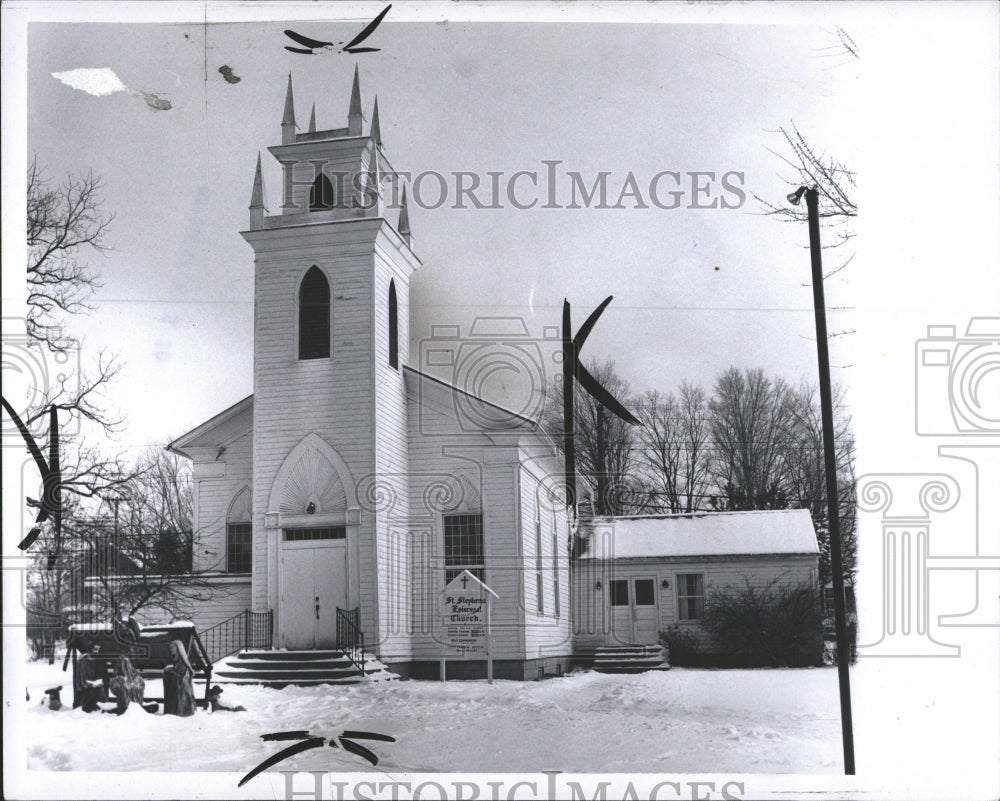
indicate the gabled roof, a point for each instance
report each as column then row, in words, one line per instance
column 238, row 418
column 783, row 531
column 218, row 430
column 493, row 416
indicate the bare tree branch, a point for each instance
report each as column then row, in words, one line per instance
column 62, row 220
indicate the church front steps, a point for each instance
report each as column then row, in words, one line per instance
column 279, row 669
column 630, row 659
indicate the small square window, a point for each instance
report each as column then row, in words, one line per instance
column 619, row 592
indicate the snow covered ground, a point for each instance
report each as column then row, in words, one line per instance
column 924, row 728
column 761, row 721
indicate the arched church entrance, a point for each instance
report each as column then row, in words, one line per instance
column 314, row 538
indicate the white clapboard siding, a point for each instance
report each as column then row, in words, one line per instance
column 546, row 633
column 591, row 606
column 215, row 496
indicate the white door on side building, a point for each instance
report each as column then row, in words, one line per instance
column 313, row 585
column 634, row 613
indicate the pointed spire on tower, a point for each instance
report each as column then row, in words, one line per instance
column 257, row 203
column 404, row 219
column 288, row 119
column 373, row 186
column 312, row 120
column 354, row 115
column 376, row 131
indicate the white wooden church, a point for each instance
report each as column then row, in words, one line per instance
column 349, row 480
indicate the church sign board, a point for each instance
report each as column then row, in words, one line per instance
column 466, row 604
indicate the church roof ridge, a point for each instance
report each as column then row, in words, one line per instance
column 226, row 414
column 453, row 388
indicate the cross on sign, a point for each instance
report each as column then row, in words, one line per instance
column 465, row 582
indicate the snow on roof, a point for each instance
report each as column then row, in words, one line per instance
column 105, row 626
column 91, row 627
column 785, row 531
column 177, row 624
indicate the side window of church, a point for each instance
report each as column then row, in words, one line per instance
column 393, row 328
column 238, row 547
column 463, row 545
column 314, row 316
column 539, row 579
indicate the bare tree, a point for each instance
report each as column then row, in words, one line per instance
column 806, row 473
column 750, row 415
column 833, row 180
column 63, row 219
column 675, row 447
column 132, row 555
column 605, row 444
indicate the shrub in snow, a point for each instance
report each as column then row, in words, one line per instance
column 767, row 624
column 683, row 647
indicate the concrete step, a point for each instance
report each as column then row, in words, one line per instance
column 287, row 675
column 291, row 656
column 630, row 659
column 625, row 668
column 293, row 664
column 300, row 668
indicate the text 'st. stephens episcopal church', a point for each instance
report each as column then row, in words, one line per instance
column 351, row 486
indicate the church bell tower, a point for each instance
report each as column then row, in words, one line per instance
column 331, row 340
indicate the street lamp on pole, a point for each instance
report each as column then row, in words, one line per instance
column 830, row 461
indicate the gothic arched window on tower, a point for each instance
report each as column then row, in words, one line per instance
column 314, row 316
column 321, row 194
column 393, row 327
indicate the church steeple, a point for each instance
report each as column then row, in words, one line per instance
column 376, row 130
column 257, row 204
column 288, row 119
column 354, row 115
column 312, row 120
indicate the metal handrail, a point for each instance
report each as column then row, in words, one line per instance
column 244, row 630
column 350, row 638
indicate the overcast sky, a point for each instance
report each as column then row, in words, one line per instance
column 696, row 289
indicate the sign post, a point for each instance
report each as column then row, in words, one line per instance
column 466, row 619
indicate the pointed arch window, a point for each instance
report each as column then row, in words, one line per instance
column 314, row 316
column 393, row 327
column 321, row 195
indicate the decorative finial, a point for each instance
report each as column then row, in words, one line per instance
column 257, row 204
column 376, row 131
column 312, row 120
column 288, row 119
column 354, row 115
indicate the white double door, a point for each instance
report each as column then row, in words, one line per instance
column 313, row 585
column 635, row 618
